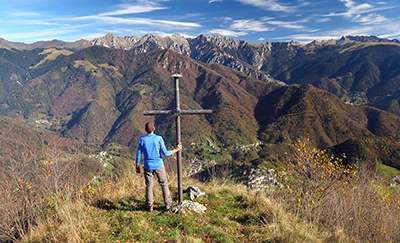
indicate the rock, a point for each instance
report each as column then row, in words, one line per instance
column 188, row 205
column 395, row 181
column 194, row 192
column 196, row 166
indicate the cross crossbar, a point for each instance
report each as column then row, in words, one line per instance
column 177, row 112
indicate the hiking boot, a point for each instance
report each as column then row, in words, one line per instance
column 150, row 209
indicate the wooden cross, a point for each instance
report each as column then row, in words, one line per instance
column 177, row 113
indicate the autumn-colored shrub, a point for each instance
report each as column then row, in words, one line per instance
column 346, row 199
column 34, row 186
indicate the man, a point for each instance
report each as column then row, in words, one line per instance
column 152, row 146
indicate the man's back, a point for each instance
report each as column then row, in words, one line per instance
column 152, row 146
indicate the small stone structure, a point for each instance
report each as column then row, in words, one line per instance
column 196, row 166
column 262, row 178
column 395, row 181
column 188, row 205
column 194, row 192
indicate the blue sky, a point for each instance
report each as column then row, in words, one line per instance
column 256, row 21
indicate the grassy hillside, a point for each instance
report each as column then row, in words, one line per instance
column 366, row 69
column 320, row 201
column 383, row 150
column 293, row 112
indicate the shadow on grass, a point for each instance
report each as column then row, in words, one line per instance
column 127, row 204
column 124, row 204
column 262, row 218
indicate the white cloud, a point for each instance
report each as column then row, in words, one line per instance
column 214, row 1
column 323, row 20
column 271, row 5
column 249, row 25
column 135, row 21
column 287, row 25
column 261, row 39
column 356, row 10
column 348, row 3
column 305, row 39
column 357, row 30
column 25, row 14
column 141, row 7
column 313, row 31
column 28, row 22
column 338, row 33
column 36, row 22
column 359, row 9
column 43, row 34
column 131, row 10
column 227, row 32
column 372, row 19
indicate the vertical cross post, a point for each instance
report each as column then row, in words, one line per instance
column 178, row 135
column 177, row 113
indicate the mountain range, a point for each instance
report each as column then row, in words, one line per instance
column 275, row 92
column 362, row 69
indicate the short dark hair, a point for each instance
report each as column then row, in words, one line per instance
column 149, row 127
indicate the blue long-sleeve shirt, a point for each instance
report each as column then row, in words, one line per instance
column 152, row 146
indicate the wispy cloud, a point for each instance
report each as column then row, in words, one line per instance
column 323, row 20
column 372, row 19
column 287, row 25
column 134, row 21
column 271, row 5
column 249, row 25
column 213, row 1
column 43, row 35
column 356, row 10
column 38, row 22
column 29, row 22
column 25, row 14
column 330, row 34
column 242, row 27
column 140, row 7
column 305, row 39
column 227, row 32
column 388, row 30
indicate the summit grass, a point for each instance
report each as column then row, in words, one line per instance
column 115, row 212
column 321, row 200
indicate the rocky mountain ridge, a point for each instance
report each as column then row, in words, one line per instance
column 246, row 57
column 200, row 48
column 175, row 42
column 144, row 44
column 249, row 58
column 77, row 45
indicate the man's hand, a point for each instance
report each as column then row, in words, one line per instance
column 177, row 148
column 137, row 169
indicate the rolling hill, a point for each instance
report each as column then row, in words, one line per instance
column 97, row 95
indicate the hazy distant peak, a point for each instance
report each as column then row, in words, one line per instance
column 345, row 40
